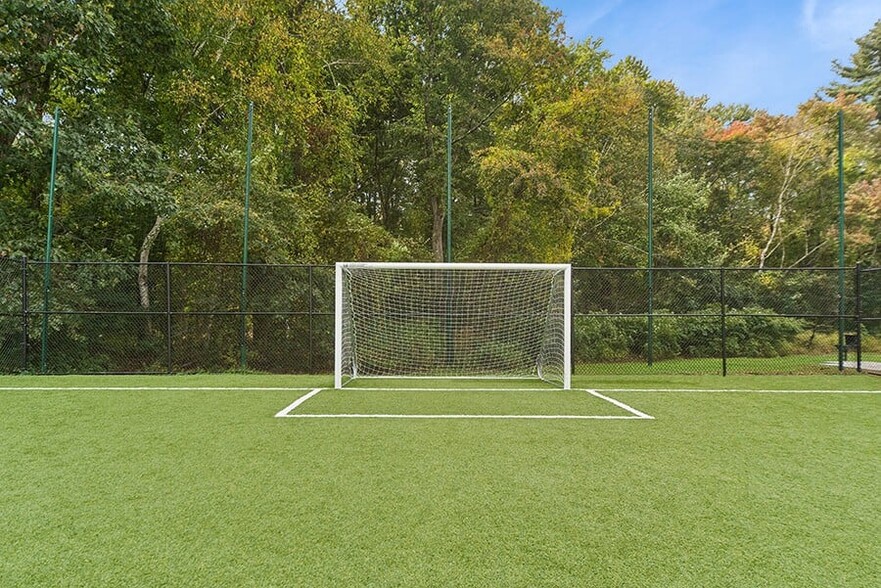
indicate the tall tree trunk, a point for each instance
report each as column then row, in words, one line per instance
column 437, row 227
column 775, row 225
column 431, row 186
column 149, row 240
column 794, row 163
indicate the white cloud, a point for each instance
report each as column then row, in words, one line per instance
column 834, row 24
column 601, row 10
column 580, row 26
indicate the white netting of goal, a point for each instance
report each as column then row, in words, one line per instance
column 453, row 321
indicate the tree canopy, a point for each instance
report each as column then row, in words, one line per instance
column 550, row 145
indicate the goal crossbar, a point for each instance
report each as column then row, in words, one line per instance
column 452, row 265
column 453, row 320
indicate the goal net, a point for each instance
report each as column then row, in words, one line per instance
column 453, row 320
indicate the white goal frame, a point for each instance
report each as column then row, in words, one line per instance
column 338, row 308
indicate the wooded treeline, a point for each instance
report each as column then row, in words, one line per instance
column 550, row 140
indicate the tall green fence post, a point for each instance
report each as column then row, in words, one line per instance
column 24, row 313
column 311, row 320
column 243, row 300
column 450, row 181
column 44, row 331
column 651, row 257
column 841, row 341
column 858, row 313
column 723, row 312
column 169, row 345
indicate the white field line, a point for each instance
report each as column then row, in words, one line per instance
column 409, row 389
column 149, row 388
column 284, row 412
column 446, row 378
column 619, row 404
column 462, row 416
column 738, row 390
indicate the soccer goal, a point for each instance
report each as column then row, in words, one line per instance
column 453, row 320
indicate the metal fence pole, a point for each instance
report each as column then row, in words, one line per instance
column 169, row 350
column 449, row 179
column 47, row 268
column 243, row 304
column 724, row 321
column 572, row 336
column 841, row 341
column 650, row 236
column 24, row 313
column 311, row 310
column 858, row 302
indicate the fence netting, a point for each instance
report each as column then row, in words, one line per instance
column 97, row 317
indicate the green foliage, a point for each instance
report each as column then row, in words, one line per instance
column 549, row 140
column 533, row 209
column 680, row 240
column 623, row 338
column 863, row 74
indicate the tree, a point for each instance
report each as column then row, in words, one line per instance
column 613, row 233
column 864, row 220
column 73, row 55
column 51, row 53
column 863, row 75
column 483, row 56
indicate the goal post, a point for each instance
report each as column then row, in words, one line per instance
column 453, row 320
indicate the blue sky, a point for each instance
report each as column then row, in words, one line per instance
column 771, row 54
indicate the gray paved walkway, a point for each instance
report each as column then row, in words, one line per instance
column 868, row 366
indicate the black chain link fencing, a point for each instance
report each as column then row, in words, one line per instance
column 173, row 317
column 98, row 317
column 870, row 319
column 721, row 320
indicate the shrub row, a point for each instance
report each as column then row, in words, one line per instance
column 622, row 337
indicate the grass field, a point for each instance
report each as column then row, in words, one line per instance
column 786, row 364
column 193, row 481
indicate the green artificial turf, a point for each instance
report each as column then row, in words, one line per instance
column 206, row 488
column 404, row 402
column 786, row 364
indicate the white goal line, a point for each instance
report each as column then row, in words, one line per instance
column 152, row 388
column 288, row 411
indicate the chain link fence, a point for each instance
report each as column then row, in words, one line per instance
column 718, row 320
column 165, row 318
column 97, row 317
column 870, row 319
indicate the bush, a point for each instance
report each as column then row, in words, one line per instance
column 599, row 338
column 621, row 337
column 760, row 336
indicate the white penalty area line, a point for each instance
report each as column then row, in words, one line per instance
column 545, row 417
column 284, row 412
column 737, row 391
column 466, row 389
column 619, row 404
column 287, row 412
